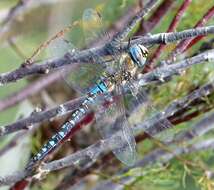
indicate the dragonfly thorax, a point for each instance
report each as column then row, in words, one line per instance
column 118, row 78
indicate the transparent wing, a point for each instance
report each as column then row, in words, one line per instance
column 92, row 25
column 59, row 46
column 114, row 123
column 79, row 77
column 126, row 151
column 82, row 76
column 162, row 130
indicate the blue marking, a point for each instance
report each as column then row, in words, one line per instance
column 95, row 90
column 99, row 88
column 103, row 86
column 135, row 53
column 51, row 143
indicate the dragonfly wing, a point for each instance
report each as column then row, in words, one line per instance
column 78, row 77
column 92, row 25
column 125, row 145
column 114, row 122
column 163, row 128
column 59, row 46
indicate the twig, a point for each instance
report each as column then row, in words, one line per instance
column 28, row 122
column 87, row 55
column 173, row 108
column 95, row 150
column 117, row 26
column 21, row 8
column 157, row 75
column 12, row 143
column 44, row 45
column 186, row 44
column 202, row 127
column 29, row 90
column 156, row 156
column 40, row 84
column 171, row 28
column 155, row 18
column 129, row 27
column 14, row 11
column 10, row 179
column 160, row 74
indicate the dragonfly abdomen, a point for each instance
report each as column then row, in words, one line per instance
column 75, row 118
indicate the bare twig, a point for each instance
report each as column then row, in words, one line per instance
column 16, row 12
column 44, row 45
column 157, row 75
column 160, row 74
column 155, row 18
column 29, row 90
column 86, row 55
column 171, row 28
column 159, row 155
column 185, row 44
column 174, row 108
column 117, row 26
column 91, row 153
column 28, row 122
column 129, row 27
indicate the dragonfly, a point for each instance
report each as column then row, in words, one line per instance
column 108, row 83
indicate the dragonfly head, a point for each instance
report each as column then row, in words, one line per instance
column 138, row 53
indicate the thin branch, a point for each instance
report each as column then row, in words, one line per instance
column 173, row 108
column 117, row 26
column 29, row 90
column 157, row 75
column 160, row 74
column 19, row 10
column 202, row 127
column 159, row 155
column 87, row 55
column 130, row 26
column 14, row 11
column 10, row 179
column 90, row 154
column 172, row 27
column 158, row 14
column 27, row 123
column 12, row 143
column 40, row 84
column 186, row 44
